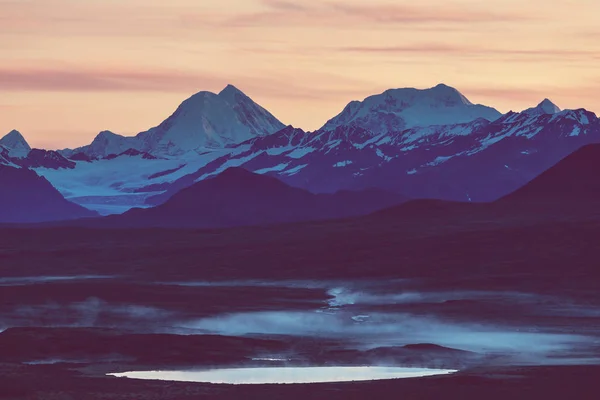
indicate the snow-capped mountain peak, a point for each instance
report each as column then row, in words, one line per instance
column 545, row 107
column 203, row 121
column 16, row 144
column 398, row 109
column 232, row 94
column 549, row 107
column 208, row 120
column 446, row 93
column 106, row 143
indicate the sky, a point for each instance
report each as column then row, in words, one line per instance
column 72, row 68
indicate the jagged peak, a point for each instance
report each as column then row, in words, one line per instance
column 14, row 132
column 196, row 98
column 230, row 89
column 231, row 94
column 290, row 128
column 544, row 107
column 107, row 133
column 105, row 136
column 403, row 108
column 15, row 143
column 14, row 136
column 548, row 106
column 440, row 91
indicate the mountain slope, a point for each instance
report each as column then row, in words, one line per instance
column 509, row 153
column 237, row 197
column 573, row 181
column 26, row 198
column 568, row 190
column 399, row 109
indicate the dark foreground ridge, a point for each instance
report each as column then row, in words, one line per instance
column 27, row 197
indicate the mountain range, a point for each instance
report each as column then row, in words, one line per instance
column 432, row 143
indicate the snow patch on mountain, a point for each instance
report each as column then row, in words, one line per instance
column 301, row 152
column 113, row 185
column 439, row 160
column 276, row 168
column 295, row 170
column 340, row 164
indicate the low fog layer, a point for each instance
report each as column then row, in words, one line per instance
column 370, row 314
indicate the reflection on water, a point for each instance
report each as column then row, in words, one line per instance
column 286, row 375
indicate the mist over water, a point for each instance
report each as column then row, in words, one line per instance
column 93, row 312
column 365, row 315
column 351, row 314
column 391, row 329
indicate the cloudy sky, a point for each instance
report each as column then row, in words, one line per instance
column 71, row 68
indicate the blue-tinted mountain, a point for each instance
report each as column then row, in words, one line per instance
column 204, row 121
column 476, row 161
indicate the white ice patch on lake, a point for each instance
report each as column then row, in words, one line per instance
column 238, row 376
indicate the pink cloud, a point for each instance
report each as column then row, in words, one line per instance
column 413, row 48
column 67, row 80
column 267, row 84
column 341, row 14
column 286, row 5
column 506, row 93
column 516, row 55
column 413, row 14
